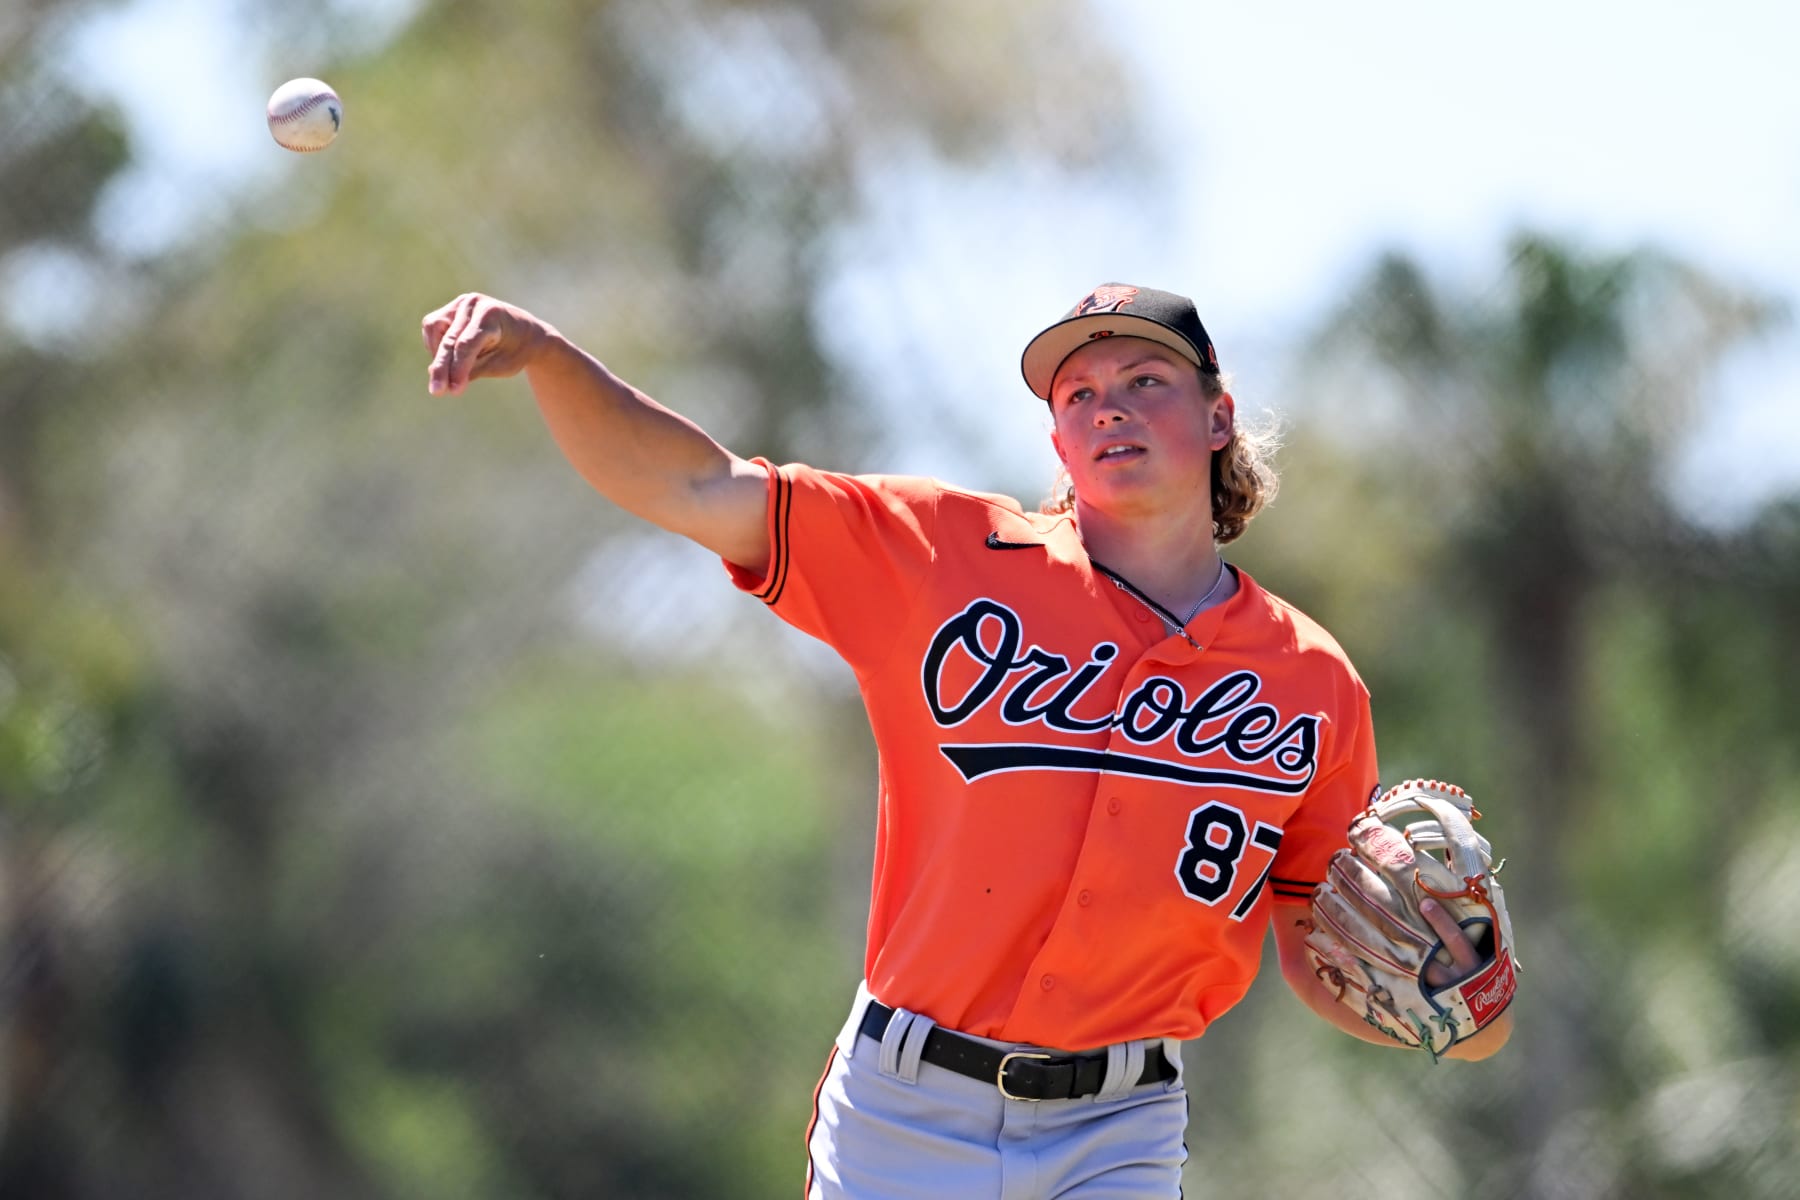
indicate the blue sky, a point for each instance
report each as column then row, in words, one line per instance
column 1294, row 140
column 1298, row 139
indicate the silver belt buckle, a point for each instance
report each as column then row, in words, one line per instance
column 1000, row 1076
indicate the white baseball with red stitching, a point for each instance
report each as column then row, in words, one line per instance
column 305, row 115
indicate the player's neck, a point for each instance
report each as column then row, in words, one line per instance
column 1175, row 563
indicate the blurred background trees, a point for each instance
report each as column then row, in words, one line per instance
column 381, row 815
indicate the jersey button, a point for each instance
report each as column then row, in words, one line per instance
column 1085, row 898
column 1112, row 805
column 1047, row 982
column 1142, row 615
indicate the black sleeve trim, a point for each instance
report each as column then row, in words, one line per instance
column 779, row 555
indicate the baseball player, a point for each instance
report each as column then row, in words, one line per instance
column 1110, row 762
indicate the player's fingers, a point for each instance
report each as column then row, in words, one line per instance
column 437, row 322
column 436, row 327
column 1464, row 958
column 434, row 324
column 433, row 328
column 457, row 345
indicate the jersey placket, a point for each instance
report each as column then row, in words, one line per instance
column 1088, row 922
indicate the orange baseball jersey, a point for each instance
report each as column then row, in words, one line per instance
column 1084, row 820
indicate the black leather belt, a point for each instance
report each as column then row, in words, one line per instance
column 1019, row 1074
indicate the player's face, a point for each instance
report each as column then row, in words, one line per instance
column 1135, row 428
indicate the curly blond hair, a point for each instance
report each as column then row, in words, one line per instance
column 1243, row 472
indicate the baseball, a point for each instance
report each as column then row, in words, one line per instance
column 305, row 114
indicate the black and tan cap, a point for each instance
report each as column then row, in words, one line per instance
column 1119, row 310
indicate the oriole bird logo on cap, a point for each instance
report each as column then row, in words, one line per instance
column 1110, row 298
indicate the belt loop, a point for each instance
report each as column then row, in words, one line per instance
column 1124, row 1066
column 893, row 1041
column 917, row 1030
column 1172, row 1052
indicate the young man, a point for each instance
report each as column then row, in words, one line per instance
column 1109, row 762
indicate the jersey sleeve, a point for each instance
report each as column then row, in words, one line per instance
column 848, row 556
column 1321, row 826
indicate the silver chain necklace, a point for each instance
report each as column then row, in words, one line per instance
column 1168, row 618
column 1195, row 611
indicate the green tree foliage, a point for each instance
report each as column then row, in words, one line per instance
column 1542, row 615
column 357, row 839
column 318, row 881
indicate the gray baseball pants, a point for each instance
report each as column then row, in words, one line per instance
column 887, row 1126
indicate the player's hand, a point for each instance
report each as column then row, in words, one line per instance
column 478, row 337
column 1464, row 957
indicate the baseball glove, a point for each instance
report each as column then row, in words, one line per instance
column 1371, row 943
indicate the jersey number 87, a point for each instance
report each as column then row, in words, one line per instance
column 1218, row 837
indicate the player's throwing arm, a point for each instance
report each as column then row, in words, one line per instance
column 641, row 456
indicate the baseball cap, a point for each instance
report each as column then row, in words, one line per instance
column 1119, row 309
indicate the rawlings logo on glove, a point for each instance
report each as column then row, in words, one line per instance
column 1370, row 940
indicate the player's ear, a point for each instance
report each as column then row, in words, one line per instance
column 1056, row 442
column 1224, row 421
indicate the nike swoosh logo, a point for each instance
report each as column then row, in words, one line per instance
column 994, row 543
